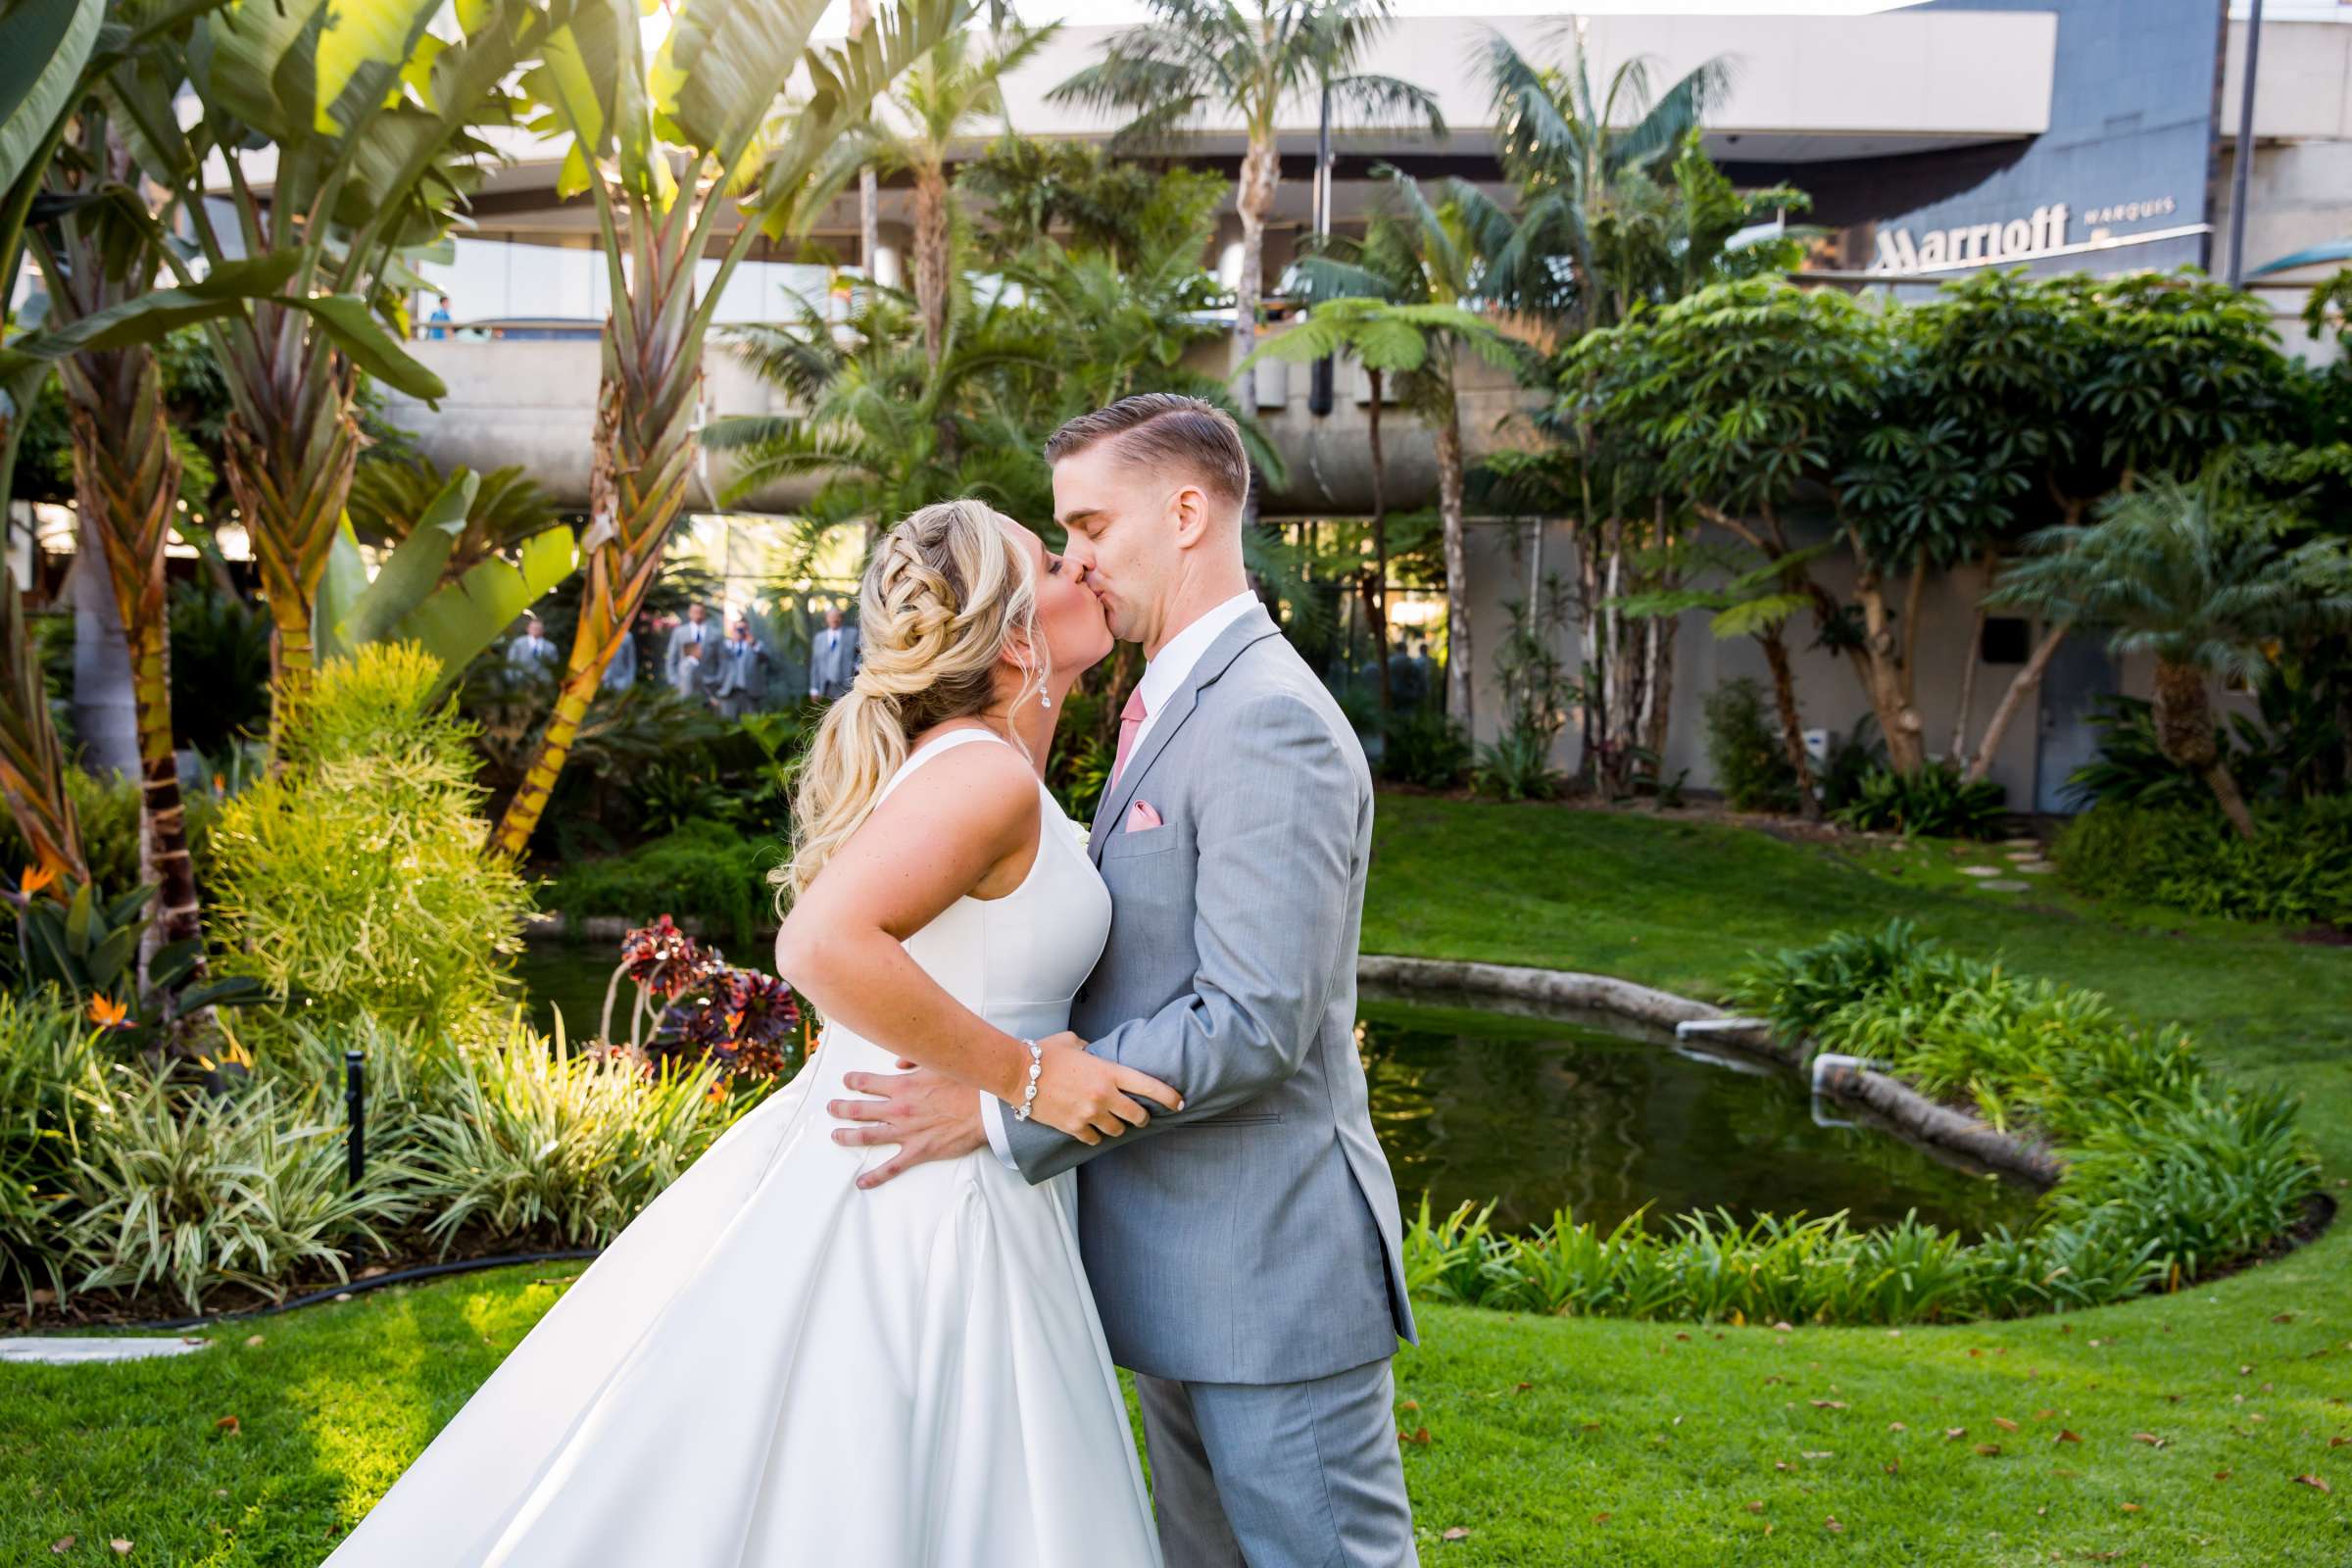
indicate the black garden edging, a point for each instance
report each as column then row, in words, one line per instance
column 344, row 1292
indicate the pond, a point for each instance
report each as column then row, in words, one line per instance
column 1597, row 1117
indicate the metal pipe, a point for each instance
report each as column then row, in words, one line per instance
column 2242, row 165
column 1318, row 381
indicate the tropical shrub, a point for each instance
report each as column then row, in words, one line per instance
column 53, row 1086
column 353, row 881
column 1518, row 767
column 707, row 870
column 2297, row 868
column 1424, row 746
column 1746, row 751
column 1936, row 802
column 108, row 812
column 701, row 1008
column 191, row 1191
column 527, row 1137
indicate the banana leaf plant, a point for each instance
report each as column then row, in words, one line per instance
column 88, row 949
column 344, row 132
column 410, row 599
column 672, row 145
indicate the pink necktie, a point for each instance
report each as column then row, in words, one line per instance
column 1131, row 721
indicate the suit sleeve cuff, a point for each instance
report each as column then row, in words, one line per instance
column 992, row 1121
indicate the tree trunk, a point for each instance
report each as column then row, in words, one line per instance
column 127, row 484
column 2013, row 702
column 2183, row 714
column 1968, row 664
column 645, row 449
column 869, row 228
column 291, row 445
column 1459, row 670
column 931, row 258
column 1792, row 723
column 1376, row 601
column 1253, row 200
column 1881, row 666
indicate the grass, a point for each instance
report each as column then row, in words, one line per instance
column 1549, row 1440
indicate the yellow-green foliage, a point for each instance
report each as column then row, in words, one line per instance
column 355, row 878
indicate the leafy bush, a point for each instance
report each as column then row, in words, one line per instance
column 194, row 1191
column 1936, row 802
column 1745, row 750
column 354, row 878
column 53, row 1084
column 2297, row 868
column 522, row 1139
column 707, row 870
column 1518, row 767
column 1857, row 754
column 108, row 812
column 2130, row 768
column 1425, row 747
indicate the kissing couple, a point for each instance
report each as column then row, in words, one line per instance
column 1080, row 1104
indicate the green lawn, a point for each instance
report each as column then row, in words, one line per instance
column 1550, row 1441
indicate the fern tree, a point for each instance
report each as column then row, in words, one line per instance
column 2197, row 574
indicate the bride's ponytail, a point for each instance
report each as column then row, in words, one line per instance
column 942, row 599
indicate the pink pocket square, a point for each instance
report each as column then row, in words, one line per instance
column 1141, row 818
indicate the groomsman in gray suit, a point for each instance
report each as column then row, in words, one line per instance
column 832, row 658
column 1246, row 1252
column 743, row 664
column 695, row 632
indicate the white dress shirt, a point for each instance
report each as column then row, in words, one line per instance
column 1163, row 677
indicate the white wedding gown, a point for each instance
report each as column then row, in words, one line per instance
column 771, row 1367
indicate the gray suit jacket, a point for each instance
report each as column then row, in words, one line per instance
column 1253, row 1237
column 829, row 673
column 674, row 658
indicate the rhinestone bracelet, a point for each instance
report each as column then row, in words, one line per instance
column 1037, row 1066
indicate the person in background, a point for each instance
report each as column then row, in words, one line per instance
column 744, row 661
column 1409, row 679
column 437, row 323
column 691, row 675
column 532, row 657
column 832, row 658
column 620, row 670
column 693, row 632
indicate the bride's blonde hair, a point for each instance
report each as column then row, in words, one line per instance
column 943, row 601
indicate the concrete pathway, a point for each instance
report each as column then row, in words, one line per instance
column 64, row 1349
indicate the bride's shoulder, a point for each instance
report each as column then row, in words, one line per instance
column 981, row 783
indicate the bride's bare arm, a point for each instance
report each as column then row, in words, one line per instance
column 965, row 822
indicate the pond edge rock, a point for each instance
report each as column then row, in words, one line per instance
column 1911, row 1114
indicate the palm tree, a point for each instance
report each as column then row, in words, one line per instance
column 1569, row 149
column 1415, row 273
column 2194, row 572
column 669, row 146
column 1198, row 56
column 941, row 101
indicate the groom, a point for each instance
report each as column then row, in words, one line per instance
column 1244, row 1252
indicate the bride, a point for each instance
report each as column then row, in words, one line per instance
column 704, row 1393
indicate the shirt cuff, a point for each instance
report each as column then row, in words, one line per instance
column 992, row 1121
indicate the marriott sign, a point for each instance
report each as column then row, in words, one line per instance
column 1972, row 244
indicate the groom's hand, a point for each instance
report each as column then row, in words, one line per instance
column 928, row 1115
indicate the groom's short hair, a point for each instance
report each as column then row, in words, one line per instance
column 1192, row 436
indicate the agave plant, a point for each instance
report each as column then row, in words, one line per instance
column 672, row 146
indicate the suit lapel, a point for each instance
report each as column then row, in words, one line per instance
column 1251, row 627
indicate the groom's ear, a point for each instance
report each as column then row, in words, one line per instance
column 1188, row 511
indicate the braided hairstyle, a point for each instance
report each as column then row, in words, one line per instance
column 944, row 598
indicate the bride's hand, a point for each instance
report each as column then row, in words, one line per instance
column 1090, row 1099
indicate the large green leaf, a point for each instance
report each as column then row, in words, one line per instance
column 153, row 316
column 359, row 334
column 591, row 76
column 361, row 52
column 729, row 59
column 44, row 45
column 257, row 59
column 411, row 573
column 456, row 623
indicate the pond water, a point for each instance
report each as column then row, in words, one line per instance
column 1599, row 1118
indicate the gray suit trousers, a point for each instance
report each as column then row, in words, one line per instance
column 1279, row 1475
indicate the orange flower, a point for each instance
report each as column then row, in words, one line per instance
column 718, row 1089
column 108, row 1013
column 35, row 878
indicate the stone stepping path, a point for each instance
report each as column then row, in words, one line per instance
column 66, row 1350
column 2006, row 885
column 1980, row 870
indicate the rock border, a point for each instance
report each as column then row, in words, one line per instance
column 1908, row 1113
